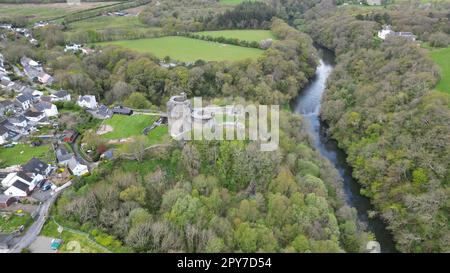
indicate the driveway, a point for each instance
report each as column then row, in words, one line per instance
column 42, row 244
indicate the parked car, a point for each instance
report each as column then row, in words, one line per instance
column 56, row 244
column 46, row 186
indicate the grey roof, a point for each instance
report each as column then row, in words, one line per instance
column 42, row 105
column 3, row 130
column 122, row 110
column 73, row 163
column 35, row 165
column 21, row 186
column 61, row 93
column 32, row 114
column 24, row 97
column 24, row 176
column 62, row 154
column 6, row 103
column 5, row 198
column 17, row 119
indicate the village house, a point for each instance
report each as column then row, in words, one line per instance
column 102, row 112
column 77, row 168
column 69, row 136
column 120, row 110
column 18, row 121
column 35, row 116
column 20, row 184
column 63, row 156
column 87, row 101
column 374, row 2
column 4, row 135
column 49, row 109
column 35, row 71
column 387, row 32
column 73, row 48
column 37, row 166
column 24, row 100
column 61, row 95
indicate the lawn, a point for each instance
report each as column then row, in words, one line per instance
column 86, row 244
column 128, row 126
column 21, row 153
column 245, row 35
column 442, row 58
column 188, row 50
column 12, row 222
column 36, row 12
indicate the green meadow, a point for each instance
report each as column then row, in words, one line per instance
column 442, row 58
column 187, row 49
column 244, row 35
column 21, row 153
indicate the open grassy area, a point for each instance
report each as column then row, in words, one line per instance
column 36, row 12
column 87, row 245
column 128, row 126
column 21, row 153
column 13, row 221
column 115, row 23
column 188, row 50
column 244, row 34
column 442, row 58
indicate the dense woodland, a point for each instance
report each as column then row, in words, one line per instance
column 381, row 108
column 219, row 197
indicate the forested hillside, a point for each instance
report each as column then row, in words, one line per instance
column 381, row 108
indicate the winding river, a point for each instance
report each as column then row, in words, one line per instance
column 307, row 104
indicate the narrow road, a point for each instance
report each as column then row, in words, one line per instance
column 33, row 231
column 78, row 156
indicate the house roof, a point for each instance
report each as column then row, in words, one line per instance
column 17, row 119
column 21, row 186
column 32, row 114
column 122, row 110
column 62, row 154
column 42, row 105
column 61, row 93
column 3, row 130
column 24, row 176
column 73, row 163
column 6, row 103
column 5, row 198
column 35, row 165
column 24, row 97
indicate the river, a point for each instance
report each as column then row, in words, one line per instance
column 307, row 104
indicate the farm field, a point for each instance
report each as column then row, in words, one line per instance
column 442, row 58
column 36, row 12
column 245, row 35
column 109, row 22
column 187, row 49
column 21, row 153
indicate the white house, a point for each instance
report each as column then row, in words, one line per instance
column 87, row 101
column 4, row 134
column 374, row 2
column 18, row 189
column 77, row 168
column 61, row 95
column 49, row 109
column 388, row 32
column 34, row 116
column 73, row 47
column 24, row 100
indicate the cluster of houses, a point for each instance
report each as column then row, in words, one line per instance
column 387, row 32
column 34, row 71
column 20, row 31
column 101, row 111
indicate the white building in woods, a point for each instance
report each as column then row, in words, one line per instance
column 77, row 168
column 87, row 101
column 387, row 32
column 374, row 2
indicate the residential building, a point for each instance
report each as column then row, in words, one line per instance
column 24, row 100
column 69, row 136
column 63, row 156
column 49, row 109
column 77, row 168
column 35, row 116
column 6, row 201
column 120, row 110
column 61, row 95
column 36, row 166
column 18, row 189
column 87, row 101
column 374, row 2
column 387, row 32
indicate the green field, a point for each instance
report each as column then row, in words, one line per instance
column 132, row 126
column 188, row 50
column 116, row 23
column 442, row 58
column 244, row 35
column 21, row 153
column 12, row 222
column 36, row 12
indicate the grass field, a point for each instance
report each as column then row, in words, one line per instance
column 132, row 126
column 21, row 153
column 188, row 50
column 36, row 12
column 442, row 58
column 244, row 35
column 116, row 23
column 13, row 222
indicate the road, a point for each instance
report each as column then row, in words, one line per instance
column 78, row 156
column 33, row 231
